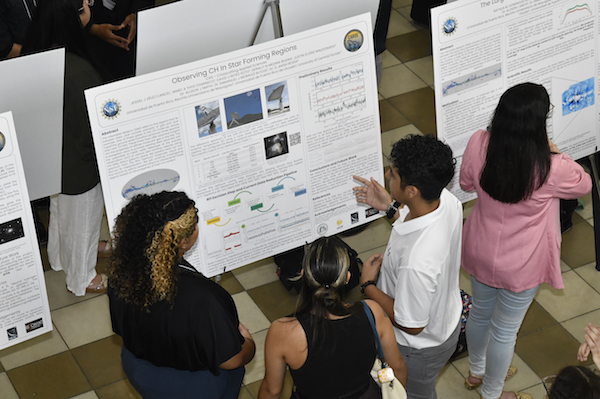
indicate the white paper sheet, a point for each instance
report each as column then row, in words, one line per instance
column 32, row 88
column 24, row 308
column 482, row 48
column 191, row 30
column 265, row 139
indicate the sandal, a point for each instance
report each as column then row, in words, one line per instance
column 106, row 251
column 512, row 370
column 99, row 288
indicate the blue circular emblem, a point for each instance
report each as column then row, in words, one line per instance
column 110, row 109
column 449, row 26
column 353, row 40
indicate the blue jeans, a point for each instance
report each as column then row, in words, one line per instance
column 492, row 327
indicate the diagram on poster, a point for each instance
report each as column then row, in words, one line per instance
column 265, row 140
column 482, row 48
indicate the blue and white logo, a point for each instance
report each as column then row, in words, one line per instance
column 111, row 109
column 449, row 27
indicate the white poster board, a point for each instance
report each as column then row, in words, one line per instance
column 24, row 308
column 32, row 88
column 265, row 140
column 201, row 29
column 481, row 48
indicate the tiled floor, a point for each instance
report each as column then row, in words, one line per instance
column 80, row 358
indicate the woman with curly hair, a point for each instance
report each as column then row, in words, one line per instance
column 181, row 332
column 328, row 344
column 511, row 240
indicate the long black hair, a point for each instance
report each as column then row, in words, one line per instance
column 56, row 23
column 325, row 270
column 575, row 382
column 518, row 156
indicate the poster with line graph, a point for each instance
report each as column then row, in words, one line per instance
column 482, row 48
column 264, row 139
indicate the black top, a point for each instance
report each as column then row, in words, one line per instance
column 79, row 167
column 199, row 332
column 15, row 17
column 341, row 361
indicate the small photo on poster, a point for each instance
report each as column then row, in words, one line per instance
column 2, row 141
column 208, row 117
column 243, row 108
column 278, row 100
column 10, row 231
column 276, row 145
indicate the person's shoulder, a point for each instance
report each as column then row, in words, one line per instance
column 285, row 328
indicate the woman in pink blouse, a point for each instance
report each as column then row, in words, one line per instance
column 511, row 240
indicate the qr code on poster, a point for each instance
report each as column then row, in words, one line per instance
column 295, row 138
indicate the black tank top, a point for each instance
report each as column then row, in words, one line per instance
column 341, row 360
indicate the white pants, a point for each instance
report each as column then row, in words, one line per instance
column 73, row 236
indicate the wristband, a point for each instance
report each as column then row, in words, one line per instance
column 392, row 209
column 365, row 285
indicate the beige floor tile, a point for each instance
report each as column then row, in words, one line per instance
column 250, row 314
column 87, row 395
column 590, row 275
column 389, row 138
column 255, row 370
column 577, row 324
column 388, row 59
column 525, row 377
column 230, row 283
column 405, row 12
column 274, row 300
column 84, row 322
column 367, row 254
column 401, row 3
column 257, row 273
column 58, row 296
column 564, row 267
column 590, row 221
column 578, row 244
column 7, row 391
column 536, row 319
column 449, row 385
column 35, row 349
column 537, row 391
column 399, row 25
column 399, row 80
column 423, row 68
column 464, row 281
column 374, row 236
column 389, row 117
column 577, row 298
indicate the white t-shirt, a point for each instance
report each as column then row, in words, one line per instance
column 420, row 271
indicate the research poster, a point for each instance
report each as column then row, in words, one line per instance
column 265, row 140
column 481, row 48
column 24, row 308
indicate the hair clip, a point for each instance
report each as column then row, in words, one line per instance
column 328, row 286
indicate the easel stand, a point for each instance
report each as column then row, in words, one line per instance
column 275, row 15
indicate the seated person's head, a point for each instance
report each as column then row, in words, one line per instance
column 575, row 382
column 423, row 162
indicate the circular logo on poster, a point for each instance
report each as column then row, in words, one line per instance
column 111, row 109
column 322, row 229
column 353, row 40
column 2, row 141
column 449, row 26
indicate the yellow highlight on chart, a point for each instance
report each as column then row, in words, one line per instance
column 213, row 220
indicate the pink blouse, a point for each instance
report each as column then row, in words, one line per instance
column 517, row 246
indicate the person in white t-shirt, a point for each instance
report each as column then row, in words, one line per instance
column 418, row 273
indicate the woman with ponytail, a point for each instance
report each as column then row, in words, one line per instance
column 181, row 332
column 328, row 344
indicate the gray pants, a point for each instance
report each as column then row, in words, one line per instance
column 424, row 365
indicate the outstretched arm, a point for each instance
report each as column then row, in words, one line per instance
column 275, row 364
column 372, row 193
column 105, row 32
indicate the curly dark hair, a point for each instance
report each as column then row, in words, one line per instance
column 423, row 162
column 575, row 382
column 147, row 234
